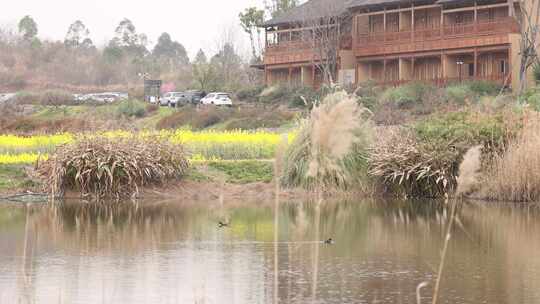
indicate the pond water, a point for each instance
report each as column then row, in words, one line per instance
column 172, row 252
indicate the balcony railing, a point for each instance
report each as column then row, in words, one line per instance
column 500, row 79
column 503, row 25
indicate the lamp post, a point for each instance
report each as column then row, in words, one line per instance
column 460, row 64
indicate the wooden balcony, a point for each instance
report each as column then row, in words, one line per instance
column 500, row 79
column 298, row 51
column 288, row 52
column 446, row 37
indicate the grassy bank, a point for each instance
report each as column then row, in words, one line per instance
column 404, row 142
column 14, row 178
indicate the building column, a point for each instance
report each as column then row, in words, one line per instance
column 412, row 22
column 404, row 69
column 413, row 61
column 289, row 77
column 475, row 63
column 384, row 70
column 443, row 69
column 313, row 75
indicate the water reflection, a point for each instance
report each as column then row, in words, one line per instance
column 175, row 253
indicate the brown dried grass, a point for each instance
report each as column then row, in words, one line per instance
column 404, row 165
column 515, row 174
column 112, row 168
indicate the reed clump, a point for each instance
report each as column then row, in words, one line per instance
column 330, row 148
column 408, row 166
column 515, row 174
column 423, row 161
column 103, row 167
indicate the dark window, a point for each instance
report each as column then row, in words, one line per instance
column 503, row 67
column 471, row 70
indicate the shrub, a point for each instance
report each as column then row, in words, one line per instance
column 231, row 119
column 152, row 108
column 275, row 94
column 468, row 127
column 329, row 150
column 536, row 73
column 197, row 118
column 368, row 94
column 532, row 98
column 250, row 93
column 270, row 119
column 27, row 98
column 131, row 108
column 483, row 88
column 406, row 95
column 56, row 98
column 119, row 167
column 458, row 93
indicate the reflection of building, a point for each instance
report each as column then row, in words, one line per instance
column 393, row 42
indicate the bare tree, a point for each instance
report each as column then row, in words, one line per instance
column 323, row 24
column 528, row 20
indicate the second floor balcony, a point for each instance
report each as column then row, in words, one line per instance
column 299, row 51
column 436, row 36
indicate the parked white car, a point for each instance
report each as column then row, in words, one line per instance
column 6, row 97
column 105, row 98
column 218, row 99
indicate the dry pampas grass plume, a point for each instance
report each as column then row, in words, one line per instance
column 469, row 171
column 333, row 131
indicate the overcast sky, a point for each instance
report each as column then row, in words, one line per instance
column 194, row 23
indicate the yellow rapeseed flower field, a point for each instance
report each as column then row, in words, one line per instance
column 22, row 158
column 204, row 145
column 41, row 143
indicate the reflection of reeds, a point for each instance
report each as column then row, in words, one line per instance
column 444, row 251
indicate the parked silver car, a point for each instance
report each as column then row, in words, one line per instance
column 174, row 99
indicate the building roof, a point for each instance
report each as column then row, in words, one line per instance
column 311, row 9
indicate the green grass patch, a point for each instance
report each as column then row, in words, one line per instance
column 244, row 172
column 13, row 177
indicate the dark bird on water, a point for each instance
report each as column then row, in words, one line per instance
column 221, row 224
column 330, row 241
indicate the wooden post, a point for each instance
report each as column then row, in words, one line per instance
column 356, row 74
column 475, row 63
column 384, row 70
column 313, row 76
column 475, row 11
column 412, row 68
column 289, row 78
column 475, row 15
column 442, row 22
column 443, row 68
column 511, row 8
column 412, row 23
column 384, row 19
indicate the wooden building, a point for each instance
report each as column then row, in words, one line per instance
column 394, row 42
